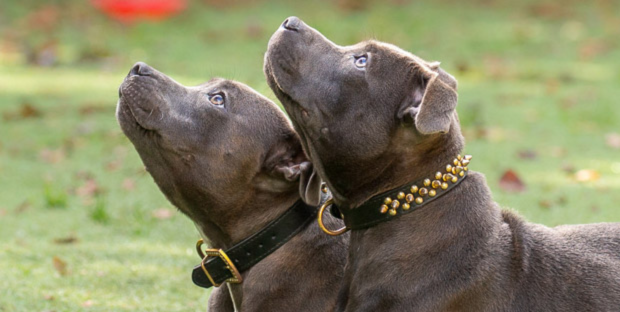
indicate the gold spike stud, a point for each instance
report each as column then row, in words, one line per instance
column 432, row 193
column 387, row 201
column 465, row 169
column 454, row 179
column 408, row 198
column 462, row 173
column 414, row 189
column 458, row 169
column 423, row 191
column 444, row 185
column 459, row 157
column 465, row 162
column 392, row 212
column 468, row 157
column 447, row 177
column 455, row 162
column 406, row 206
column 427, row 182
column 400, row 195
column 438, row 175
column 449, row 168
column 395, row 204
column 384, row 209
column 436, row 184
column 419, row 200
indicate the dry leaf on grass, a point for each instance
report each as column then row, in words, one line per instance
column 60, row 265
column 613, row 140
column 510, row 182
column 71, row 239
column 129, row 184
column 163, row 213
column 587, row 175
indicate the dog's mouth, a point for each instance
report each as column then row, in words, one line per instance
column 134, row 109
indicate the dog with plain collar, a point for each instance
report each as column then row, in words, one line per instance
column 228, row 158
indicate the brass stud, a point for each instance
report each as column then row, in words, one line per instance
column 438, row 175
column 447, row 177
column 414, row 189
column 444, row 185
column 468, row 157
column 395, row 204
column 465, row 169
column 453, row 170
column 465, row 162
column 384, row 209
column 392, row 212
column 432, row 193
column 449, row 168
column 462, row 173
column 419, row 200
column 427, row 182
column 455, row 162
column 458, row 169
column 387, row 201
column 400, row 195
column 454, row 179
column 423, row 191
column 408, row 198
column 436, row 184
column 459, row 157
column 406, row 206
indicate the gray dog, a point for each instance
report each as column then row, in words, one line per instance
column 373, row 118
column 229, row 159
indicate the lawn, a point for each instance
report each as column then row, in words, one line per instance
column 83, row 226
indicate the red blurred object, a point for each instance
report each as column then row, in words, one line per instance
column 130, row 10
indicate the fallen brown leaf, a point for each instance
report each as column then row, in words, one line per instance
column 48, row 297
column 162, row 214
column 527, row 154
column 613, row 140
column 545, row 204
column 129, row 184
column 87, row 303
column 587, row 175
column 52, row 156
column 60, row 265
column 25, row 111
column 90, row 188
column 66, row 240
column 510, row 182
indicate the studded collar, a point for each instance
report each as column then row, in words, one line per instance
column 402, row 200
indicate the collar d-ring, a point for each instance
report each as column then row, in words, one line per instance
column 320, row 220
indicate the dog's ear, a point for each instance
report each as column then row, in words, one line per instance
column 289, row 163
column 309, row 184
column 432, row 101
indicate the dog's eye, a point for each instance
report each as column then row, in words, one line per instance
column 216, row 99
column 360, row 61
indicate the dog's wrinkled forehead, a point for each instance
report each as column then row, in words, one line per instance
column 395, row 52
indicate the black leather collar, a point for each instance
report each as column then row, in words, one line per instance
column 403, row 200
column 256, row 247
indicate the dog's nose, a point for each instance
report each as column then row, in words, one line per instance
column 140, row 69
column 291, row 23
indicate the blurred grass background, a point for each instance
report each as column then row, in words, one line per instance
column 82, row 225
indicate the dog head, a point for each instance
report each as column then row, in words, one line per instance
column 220, row 152
column 364, row 112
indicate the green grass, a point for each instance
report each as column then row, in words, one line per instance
column 533, row 76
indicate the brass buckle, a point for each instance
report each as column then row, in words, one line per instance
column 236, row 279
column 323, row 227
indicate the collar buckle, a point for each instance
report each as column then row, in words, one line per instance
column 209, row 253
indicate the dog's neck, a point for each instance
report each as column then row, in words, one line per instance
column 255, row 214
column 410, row 162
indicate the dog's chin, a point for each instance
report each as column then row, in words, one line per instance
column 129, row 122
column 287, row 99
